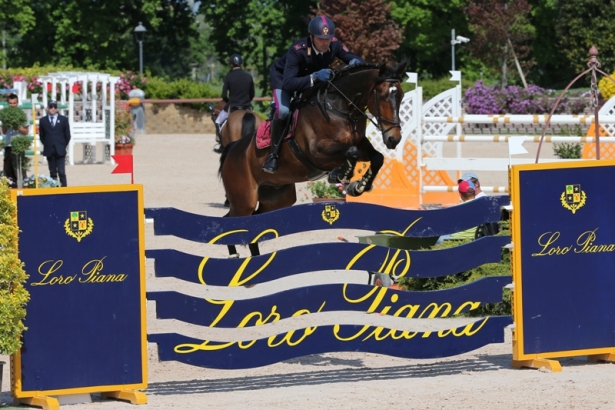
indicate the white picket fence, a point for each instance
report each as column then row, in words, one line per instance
column 427, row 127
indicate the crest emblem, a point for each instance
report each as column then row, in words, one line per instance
column 573, row 198
column 325, row 30
column 330, row 214
column 78, row 225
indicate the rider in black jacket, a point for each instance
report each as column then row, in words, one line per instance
column 305, row 63
column 237, row 92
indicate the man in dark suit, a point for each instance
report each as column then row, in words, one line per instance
column 54, row 132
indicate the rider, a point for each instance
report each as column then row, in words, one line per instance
column 237, row 92
column 305, row 63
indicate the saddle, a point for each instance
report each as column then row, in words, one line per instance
column 263, row 134
column 247, row 107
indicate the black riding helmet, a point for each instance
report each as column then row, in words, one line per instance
column 322, row 27
column 236, row 60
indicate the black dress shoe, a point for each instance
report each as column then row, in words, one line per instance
column 218, row 149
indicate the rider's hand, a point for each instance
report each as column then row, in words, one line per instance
column 322, row 75
column 354, row 61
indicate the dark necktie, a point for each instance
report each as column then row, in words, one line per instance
column 53, row 122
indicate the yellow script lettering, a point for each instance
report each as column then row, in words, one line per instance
column 48, row 271
column 546, row 240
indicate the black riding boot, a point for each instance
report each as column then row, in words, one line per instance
column 218, row 149
column 271, row 162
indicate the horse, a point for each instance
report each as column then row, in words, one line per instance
column 329, row 135
column 240, row 122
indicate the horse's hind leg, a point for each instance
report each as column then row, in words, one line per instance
column 344, row 173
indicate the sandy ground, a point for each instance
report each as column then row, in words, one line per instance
column 181, row 171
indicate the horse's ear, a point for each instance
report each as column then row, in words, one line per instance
column 401, row 69
column 382, row 71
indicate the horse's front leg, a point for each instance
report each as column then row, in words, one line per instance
column 376, row 160
column 344, row 173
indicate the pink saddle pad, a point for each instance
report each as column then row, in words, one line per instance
column 263, row 134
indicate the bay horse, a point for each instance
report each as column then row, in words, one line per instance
column 329, row 134
column 239, row 123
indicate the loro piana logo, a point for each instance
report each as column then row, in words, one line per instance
column 573, row 198
column 78, row 225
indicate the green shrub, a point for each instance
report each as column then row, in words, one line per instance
column 13, row 296
column 19, row 145
column 13, row 118
column 446, row 282
column 570, row 150
column 159, row 89
column 431, row 88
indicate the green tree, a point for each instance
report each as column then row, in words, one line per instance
column 581, row 24
column 16, row 17
column 552, row 69
column 502, row 30
column 99, row 34
column 260, row 30
column 427, row 33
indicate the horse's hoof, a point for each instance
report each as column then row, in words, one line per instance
column 355, row 188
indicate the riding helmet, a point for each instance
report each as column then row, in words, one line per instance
column 236, row 60
column 322, row 27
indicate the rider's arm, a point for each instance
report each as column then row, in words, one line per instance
column 225, row 89
column 292, row 82
column 251, row 90
column 341, row 51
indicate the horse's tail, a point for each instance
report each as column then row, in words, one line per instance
column 223, row 156
column 248, row 125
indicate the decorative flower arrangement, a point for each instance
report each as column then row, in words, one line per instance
column 322, row 189
column 124, row 129
column 43, row 182
column 483, row 99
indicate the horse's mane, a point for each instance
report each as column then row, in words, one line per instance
column 342, row 72
column 351, row 69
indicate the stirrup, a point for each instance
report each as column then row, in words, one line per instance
column 270, row 165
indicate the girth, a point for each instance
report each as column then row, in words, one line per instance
column 314, row 172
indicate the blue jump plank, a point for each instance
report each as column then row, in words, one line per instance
column 308, row 217
column 323, row 339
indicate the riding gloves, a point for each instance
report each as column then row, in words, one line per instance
column 322, row 75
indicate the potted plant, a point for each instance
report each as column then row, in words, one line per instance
column 324, row 192
column 124, row 131
column 14, row 118
column 13, row 296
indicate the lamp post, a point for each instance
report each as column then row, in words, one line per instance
column 139, row 35
column 456, row 40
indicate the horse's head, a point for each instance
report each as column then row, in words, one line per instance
column 386, row 101
column 375, row 87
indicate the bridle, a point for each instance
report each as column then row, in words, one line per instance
column 324, row 106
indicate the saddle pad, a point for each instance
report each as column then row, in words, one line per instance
column 263, row 134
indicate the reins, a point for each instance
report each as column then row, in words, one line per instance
column 324, row 106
